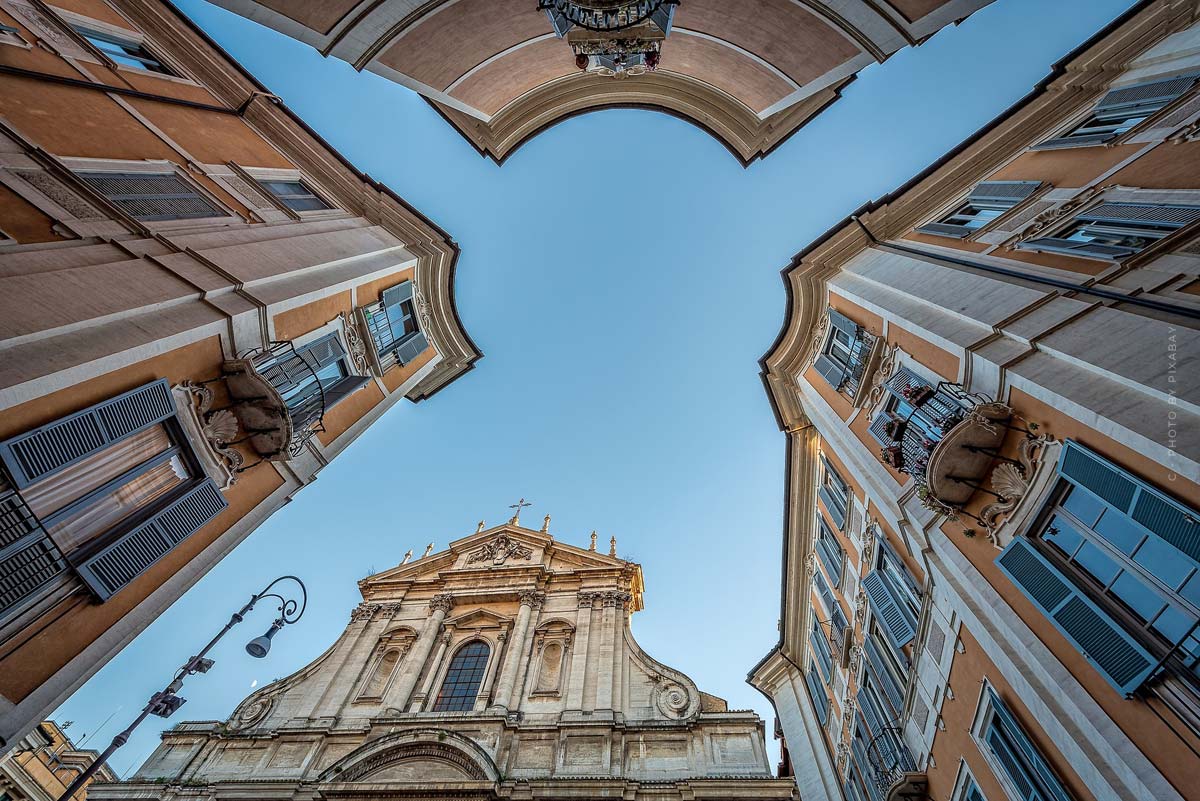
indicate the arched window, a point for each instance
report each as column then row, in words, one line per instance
column 383, row 672
column 463, row 678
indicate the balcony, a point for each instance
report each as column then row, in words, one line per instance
column 864, row 356
column 278, row 399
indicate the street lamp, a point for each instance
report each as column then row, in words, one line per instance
column 164, row 702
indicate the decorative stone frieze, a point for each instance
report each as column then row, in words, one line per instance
column 500, row 550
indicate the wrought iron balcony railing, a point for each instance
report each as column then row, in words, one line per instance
column 607, row 16
column 278, row 399
column 860, row 353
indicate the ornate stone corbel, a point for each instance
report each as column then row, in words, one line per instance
column 810, row 564
column 860, row 608
column 816, row 340
column 364, row 611
column 215, row 429
column 423, row 313
column 1049, row 218
column 1011, row 483
column 879, row 377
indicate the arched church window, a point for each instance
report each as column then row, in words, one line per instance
column 383, row 672
column 551, row 668
column 463, row 678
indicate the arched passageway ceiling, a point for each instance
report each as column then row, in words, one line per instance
column 751, row 72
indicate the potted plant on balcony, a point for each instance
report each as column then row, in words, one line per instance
column 917, row 395
column 894, row 428
column 892, row 456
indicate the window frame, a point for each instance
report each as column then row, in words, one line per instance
column 73, row 21
column 77, row 164
column 403, row 350
column 1080, row 134
column 991, row 708
column 825, row 540
column 1057, row 240
column 435, row 703
column 263, row 175
column 831, row 488
column 985, row 196
column 130, row 47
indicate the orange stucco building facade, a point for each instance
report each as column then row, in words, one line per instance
column 993, row 454
column 201, row 304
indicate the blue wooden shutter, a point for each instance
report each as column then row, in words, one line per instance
column 896, row 622
column 945, row 229
column 820, row 700
column 1070, row 247
column 45, row 451
column 1135, row 213
column 835, row 512
column 833, row 373
column 151, row 196
column 343, row 388
column 131, row 554
column 878, row 429
column 560, row 22
column 1152, row 94
column 1002, row 192
column 1025, row 765
column 412, row 347
column 28, row 557
column 1160, row 515
column 322, row 351
column 397, row 294
column 841, row 322
column 1116, row 654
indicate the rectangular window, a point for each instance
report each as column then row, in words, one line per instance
column 834, row 493
column 816, row 692
column 296, row 195
column 1121, row 110
column 394, row 328
column 822, row 656
column 1014, row 755
column 830, row 552
column 1114, row 231
column 893, row 596
column 987, row 201
column 10, row 35
column 152, row 196
column 125, row 51
column 110, row 489
column 1115, row 564
column 844, row 357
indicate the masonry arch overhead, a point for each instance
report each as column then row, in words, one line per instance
column 750, row 72
column 420, row 752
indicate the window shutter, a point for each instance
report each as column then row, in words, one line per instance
column 1160, row 515
column 1011, row 192
column 1139, row 212
column 339, row 390
column 663, row 16
column 1070, row 247
column 1085, row 140
column 820, row 700
column 322, row 352
column 887, row 608
column 560, row 22
column 944, row 229
column 44, row 451
column 903, row 379
column 1027, row 760
column 1117, row 655
column 842, row 323
column 824, row 592
column 131, row 554
column 147, row 196
column 893, row 692
column 1156, row 94
column 877, row 429
column 395, row 295
column 28, row 557
column 839, row 517
column 820, row 649
column 412, row 347
column 833, row 373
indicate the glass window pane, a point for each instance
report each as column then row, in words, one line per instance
column 1062, row 534
column 1096, row 562
column 1085, row 506
column 1163, row 562
column 110, row 509
column 463, row 678
column 1119, row 530
column 1142, row 600
column 60, row 490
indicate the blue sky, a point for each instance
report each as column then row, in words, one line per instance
column 621, row 275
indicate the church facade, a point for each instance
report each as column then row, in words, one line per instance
column 502, row 667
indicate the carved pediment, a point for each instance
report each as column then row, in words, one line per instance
column 499, row 551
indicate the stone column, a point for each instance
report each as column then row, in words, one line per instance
column 508, row 674
column 578, row 675
column 440, row 606
column 420, row 698
column 523, row 663
column 621, row 615
column 604, row 662
column 489, row 678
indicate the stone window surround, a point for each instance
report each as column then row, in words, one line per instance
column 13, row 38
column 400, row 639
column 257, row 174
column 996, row 224
column 983, row 715
column 131, row 34
column 1064, row 215
column 963, row 782
column 454, row 645
column 158, row 166
column 562, row 634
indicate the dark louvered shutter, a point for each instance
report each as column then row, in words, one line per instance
column 1141, row 212
column 560, row 22
column 883, row 681
column 1083, row 140
column 820, row 700
column 1156, row 94
column 835, row 511
column 887, row 609
column 1097, row 476
column 148, row 196
column 903, row 379
column 1169, row 520
column 1008, row 192
column 945, row 229
column 343, row 388
column 412, row 347
column 44, row 451
column 131, row 554
column 833, row 372
column 1070, row 247
column 663, row 16
column 396, row 295
column 1117, row 655
column 1025, row 765
column 878, row 429
column 28, row 557
column 322, row 352
column 842, row 323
